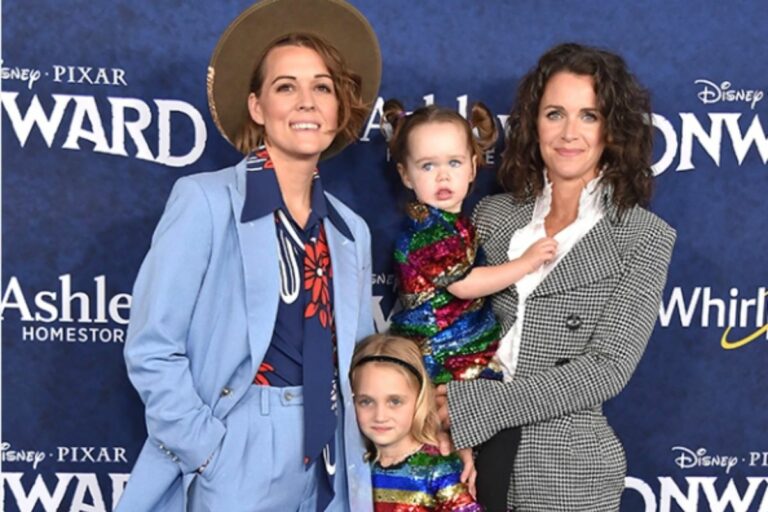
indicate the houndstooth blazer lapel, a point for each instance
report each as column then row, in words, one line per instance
column 495, row 240
column 578, row 268
column 593, row 258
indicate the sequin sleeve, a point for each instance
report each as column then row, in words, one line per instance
column 438, row 249
column 451, row 495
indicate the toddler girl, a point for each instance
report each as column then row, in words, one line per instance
column 441, row 278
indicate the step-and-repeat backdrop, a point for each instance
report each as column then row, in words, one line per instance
column 104, row 107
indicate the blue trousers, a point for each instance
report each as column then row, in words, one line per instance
column 259, row 465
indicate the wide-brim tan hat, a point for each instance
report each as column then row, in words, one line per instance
column 246, row 39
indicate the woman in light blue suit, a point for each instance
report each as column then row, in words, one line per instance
column 257, row 284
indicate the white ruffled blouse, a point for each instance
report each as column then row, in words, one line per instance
column 590, row 213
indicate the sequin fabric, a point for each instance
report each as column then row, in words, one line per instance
column 458, row 337
column 424, row 482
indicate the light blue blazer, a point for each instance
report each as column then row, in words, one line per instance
column 203, row 312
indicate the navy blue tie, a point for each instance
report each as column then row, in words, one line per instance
column 319, row 369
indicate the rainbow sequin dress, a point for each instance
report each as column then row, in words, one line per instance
column 424, row 482
column 458, row 337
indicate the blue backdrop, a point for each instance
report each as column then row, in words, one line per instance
column 104, row 107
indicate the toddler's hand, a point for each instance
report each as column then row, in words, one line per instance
column 468, row 473
column 540, row 252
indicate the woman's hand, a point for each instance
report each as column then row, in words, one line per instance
column 441, row 400
column 468, row 473
column 444, row 441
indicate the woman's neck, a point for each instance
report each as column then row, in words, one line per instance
column 294, row 176
column 564, row 208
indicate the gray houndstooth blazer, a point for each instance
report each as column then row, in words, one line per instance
column 586, row 327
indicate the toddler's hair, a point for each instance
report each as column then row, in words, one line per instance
column 397, row 125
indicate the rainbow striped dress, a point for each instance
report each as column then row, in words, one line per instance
column 424, row 482
column 457, row 337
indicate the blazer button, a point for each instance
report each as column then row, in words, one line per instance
column 573, row 322
column 226, row 392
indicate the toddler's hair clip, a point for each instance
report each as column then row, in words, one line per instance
column 483, row 125
column 387, row 129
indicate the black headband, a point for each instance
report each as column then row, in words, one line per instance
column 389, row 359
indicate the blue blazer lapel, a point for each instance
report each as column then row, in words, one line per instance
column 345, row 293
column 261, row 271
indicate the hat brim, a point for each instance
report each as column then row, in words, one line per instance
column 246, row 39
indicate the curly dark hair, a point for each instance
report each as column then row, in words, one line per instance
column 627, row 132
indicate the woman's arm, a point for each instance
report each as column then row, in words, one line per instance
column 610, row 358
column 164, row 298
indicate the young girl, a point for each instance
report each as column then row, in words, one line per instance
column 394, row 402
column 441, row 280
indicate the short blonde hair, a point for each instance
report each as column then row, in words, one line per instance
column 425, row 421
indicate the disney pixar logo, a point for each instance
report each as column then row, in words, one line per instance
column 725, row 92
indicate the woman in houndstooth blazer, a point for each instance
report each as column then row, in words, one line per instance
column 577, row 167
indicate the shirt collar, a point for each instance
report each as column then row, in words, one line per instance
column 590, row 201
column 263, row 196
column 420, row 214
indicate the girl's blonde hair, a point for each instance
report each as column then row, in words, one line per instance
column 425, row 421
